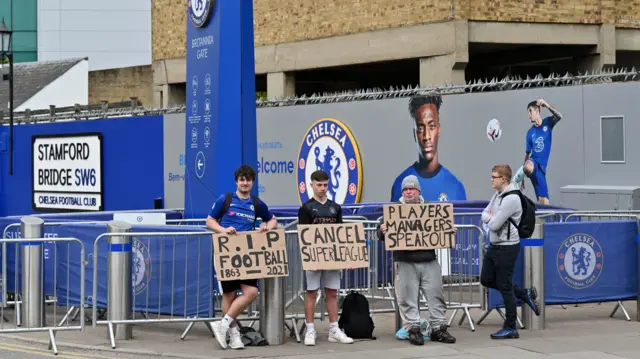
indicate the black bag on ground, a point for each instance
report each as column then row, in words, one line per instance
column 355, row 319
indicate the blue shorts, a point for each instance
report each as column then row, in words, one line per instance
column 539, row 180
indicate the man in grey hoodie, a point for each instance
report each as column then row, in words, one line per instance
column 502, row 216
column 418, row 270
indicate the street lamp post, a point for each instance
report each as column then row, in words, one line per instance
column 5, row 52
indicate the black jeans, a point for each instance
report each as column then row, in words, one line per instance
column 497, row 273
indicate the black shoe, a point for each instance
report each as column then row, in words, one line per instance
column 441, row 335
column 415, row 336
column 531, row 294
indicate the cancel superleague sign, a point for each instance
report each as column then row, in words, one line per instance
column 67, row 172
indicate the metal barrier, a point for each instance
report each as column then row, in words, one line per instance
column 30, row 309
column 613, row 215
column 282, row 221
column 49, row 297
column 119, row 279
column 461, row 285
column 602, row 216
column 462, row 291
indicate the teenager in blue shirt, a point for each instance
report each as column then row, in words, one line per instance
column 239, row 217
column 437, row 182
column 538, row 149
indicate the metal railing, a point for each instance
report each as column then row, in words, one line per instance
column 182, row 265
column 186, row 282
column 30, row 287
column 461, row 288
column 604, row 216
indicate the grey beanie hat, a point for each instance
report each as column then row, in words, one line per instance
column 411, row 181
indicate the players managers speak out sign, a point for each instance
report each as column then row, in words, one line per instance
column 67, row 172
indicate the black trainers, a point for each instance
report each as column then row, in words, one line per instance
column 415, row 336
column 531, row 296
column 505, row 333
column 441, row 335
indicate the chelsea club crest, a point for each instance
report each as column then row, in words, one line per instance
column 328, row 145
column 199, row 11
column 579, row 261
column 140, row 266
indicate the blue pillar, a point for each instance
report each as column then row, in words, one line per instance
column 221, row 114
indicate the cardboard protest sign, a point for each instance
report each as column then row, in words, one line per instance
column 250, row 255
column 419, row 226
column 333, row 246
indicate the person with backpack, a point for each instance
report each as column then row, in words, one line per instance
column 232, row 213
column 321, row 210
column 509, row 215
column 415, row 271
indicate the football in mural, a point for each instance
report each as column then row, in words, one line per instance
column 494, row 130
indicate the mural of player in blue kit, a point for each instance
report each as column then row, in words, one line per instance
column 436, row 181
column 538, row 149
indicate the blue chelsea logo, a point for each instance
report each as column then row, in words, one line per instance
column 328, row 145
column 580, row 260
column 140, row 266
column 199, row 11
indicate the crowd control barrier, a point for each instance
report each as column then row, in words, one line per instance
column 30, row 310
column 169, row 275
column 376, row 282
column 11, row 229
column 584, row 262
column 165, row 273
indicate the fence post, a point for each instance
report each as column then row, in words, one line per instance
column 534, row 276
column 119, row 306
column 33, row 309
column 394, row 270
column 272, row 303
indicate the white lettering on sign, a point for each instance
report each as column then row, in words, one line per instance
column 67, row 172
column 326, row 129
column 202, row 41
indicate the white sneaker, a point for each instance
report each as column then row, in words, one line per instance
column 338, row 336
column 220, row 329
column 235, row 339
column 310, row 337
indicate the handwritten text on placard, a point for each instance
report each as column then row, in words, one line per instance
column 419, row 226
column 251, row 255
column 333, row 246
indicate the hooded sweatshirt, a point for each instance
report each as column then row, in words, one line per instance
column 409, row 256
column 502, row 208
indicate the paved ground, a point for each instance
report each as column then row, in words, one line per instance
column 579, row 332
column 17, row 349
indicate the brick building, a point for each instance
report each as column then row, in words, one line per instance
column 306, row 46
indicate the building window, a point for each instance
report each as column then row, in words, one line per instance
column 612, row 139
column 21, row 16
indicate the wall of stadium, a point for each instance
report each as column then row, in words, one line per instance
column 598, row 120
column 364, row 145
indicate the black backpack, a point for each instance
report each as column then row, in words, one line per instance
column 227, row 204
column 528, row 218
column 355, row 319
